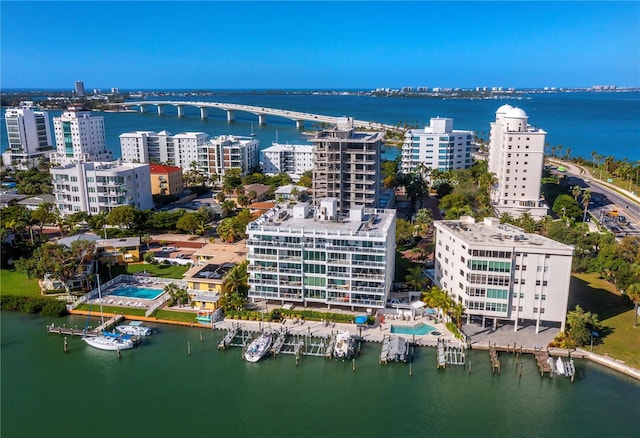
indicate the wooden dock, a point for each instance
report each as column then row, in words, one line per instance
column 542, row 359
column 495, row 360
column 71, row 331
column 394, row 348
column 441, row 358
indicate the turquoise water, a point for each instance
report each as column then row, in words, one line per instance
column 584, row 122
column 158, row 390
column 136, row 292
column 418, row 329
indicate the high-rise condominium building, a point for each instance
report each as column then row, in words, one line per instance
column 80, row 137
column 437, row 146
column 100, row 187
column 162, row 147
column 500, row 272
column 300, row 255
column 79, row 89
column 29, row 137
column 229, row 152
column 292, row 159
column 516, row 157
column 347, row 166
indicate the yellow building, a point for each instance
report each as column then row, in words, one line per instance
column 206, row 284
column 165, row 180
column 126, row 249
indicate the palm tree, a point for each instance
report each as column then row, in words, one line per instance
column 575, row 192
column 415, row 278
column 559, row 149
column 237, row 279
column 527, row 222
column 228, row 230
column 586, row 197
column 506, row 218
column 633, row 292
column 568, row 153
column 553, row 151
column 594, row 155
column 457, row 310
column 423, row 221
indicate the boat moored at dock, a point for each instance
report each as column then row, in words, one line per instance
column 259, row 347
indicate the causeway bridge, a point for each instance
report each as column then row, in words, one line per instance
column 262, row 112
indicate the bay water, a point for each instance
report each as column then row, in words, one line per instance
column 584, row 122
column 158, row 390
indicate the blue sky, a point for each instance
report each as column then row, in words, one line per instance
column 216, row 45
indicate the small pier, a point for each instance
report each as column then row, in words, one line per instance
column 235, row 337
column 454, row 355
column 394, row 348
column 70, row 331
column 441, row 357
column 328, row 352
column 279, row 342
column 495, row 360
column 542, row 359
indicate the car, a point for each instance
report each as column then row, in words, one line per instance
column 182, row 256
column 168, row 248
column 394, row 301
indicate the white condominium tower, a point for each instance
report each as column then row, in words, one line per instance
column 229, row 152
column 500, row 272
column 437, row 146
column 347, row 166
column 162, row 147
column 516, row 157
column 29, row 136
column 292, row 159
column 79, row 137
column 100, row 187
column 299, row 255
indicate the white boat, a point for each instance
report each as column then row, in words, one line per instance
column 110, row 341
column 342, row 349
column 560, row 367
column 134, row 328
column 258, row 348
column 106, row 340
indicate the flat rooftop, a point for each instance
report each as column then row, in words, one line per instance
column 491, row 232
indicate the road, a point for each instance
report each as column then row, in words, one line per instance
column 605, row 199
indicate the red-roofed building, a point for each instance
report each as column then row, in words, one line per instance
column 165, row 180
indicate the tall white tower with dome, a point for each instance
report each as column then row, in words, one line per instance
column 516, row 157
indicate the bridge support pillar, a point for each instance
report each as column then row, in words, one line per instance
column 141, row 108
column 203, row 112
column 231, row 115
column 160, row 109
column 180, row 110
column 299, row 124
column 262, row 119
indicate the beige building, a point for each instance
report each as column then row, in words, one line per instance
column 165, row 180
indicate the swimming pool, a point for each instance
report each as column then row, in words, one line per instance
column 132, row 291
column 418, row 329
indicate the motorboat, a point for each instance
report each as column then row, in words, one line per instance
column 259, row 347
column 343, row 347
column 110, row 341
column 134, row 328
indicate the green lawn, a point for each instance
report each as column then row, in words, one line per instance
column 164, row 271
column 172, row 315
column 620, row 339
column 111, row 309
column 14, row 283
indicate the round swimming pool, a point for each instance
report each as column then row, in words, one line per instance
column 418, row 329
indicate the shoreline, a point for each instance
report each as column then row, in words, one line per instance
column 375, row 334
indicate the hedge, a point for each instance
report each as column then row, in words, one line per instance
column 278, row 314
column 44, row 306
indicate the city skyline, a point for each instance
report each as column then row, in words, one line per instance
column 262, row 45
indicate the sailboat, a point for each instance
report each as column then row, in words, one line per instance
column 106, row 340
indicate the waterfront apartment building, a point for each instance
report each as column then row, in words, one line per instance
column 300, row 255
column 165, row 180
column 28, row 135
column 100, row 187
column 437, row 146
column 229, row 152
column 292, row 159
column 80, row 137
column 500, row 272
column 347, row 166
column 516, row 157
column 162, row 147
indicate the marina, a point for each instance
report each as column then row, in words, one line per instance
column 253, row 385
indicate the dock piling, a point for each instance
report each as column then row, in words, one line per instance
column 189, row 348
column 66, row 348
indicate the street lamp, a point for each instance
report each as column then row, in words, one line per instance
column 592, row 336
column 564, row 209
